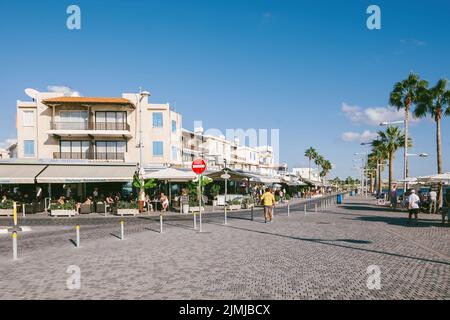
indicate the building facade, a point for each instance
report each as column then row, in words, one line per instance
column 97, row 129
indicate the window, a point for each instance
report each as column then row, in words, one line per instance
column 157, row 120
column 158, row 149
column 174, row 126
column 74, row 149
column 174, row 153
column 29, row 148
column 73, row 120
column 110, row 120
column 28, row 118
column 110, row 150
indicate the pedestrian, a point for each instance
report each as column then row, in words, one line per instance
column 393, row 197
column 446, row 207
column 413, row 205
column 68, row 193
column 268, row 201
column 95, row 194
column 433, row 201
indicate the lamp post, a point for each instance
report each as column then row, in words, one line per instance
column 364, row 168
column 141, row 198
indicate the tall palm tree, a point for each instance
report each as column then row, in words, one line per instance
column 372, row 164
column 311, row 154
column 379, row 152
column 326, row 168
column 393, row 139
column 319, row 161
column 403, row 96
column 436, row 103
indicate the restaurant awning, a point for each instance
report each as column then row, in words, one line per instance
column 19, row 173
column 172, row 175
column 234, row 175
column 86, row 173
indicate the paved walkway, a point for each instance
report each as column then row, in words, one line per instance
column 322, row 255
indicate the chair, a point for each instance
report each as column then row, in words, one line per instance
column 86, row 208
column 101, row 207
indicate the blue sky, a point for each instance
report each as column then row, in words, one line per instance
column 291, row 65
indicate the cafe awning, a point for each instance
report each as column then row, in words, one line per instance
column 172, row 175
column 19, row 173
column 86, row 173
column 234, row 175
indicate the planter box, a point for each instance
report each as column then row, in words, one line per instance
column 6, row 212
column 63, row 213
column 127, row 212
column 249, row 206
column 232, row 207
column 196, row 209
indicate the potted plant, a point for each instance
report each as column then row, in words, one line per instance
column 125, row 208
column 66, row 209
column 6, row 208
column 235, row 204
column 142, row 185
column 248, row 202
column 214, row 192
column 193, row 193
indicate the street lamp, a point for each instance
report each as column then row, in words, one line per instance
column 142, row 95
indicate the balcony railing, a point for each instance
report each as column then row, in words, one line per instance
column 106, row 156
column 114, row 126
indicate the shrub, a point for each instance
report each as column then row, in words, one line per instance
column 127, row 205
column 288, row 196
column 68, row 205
column 8, row 204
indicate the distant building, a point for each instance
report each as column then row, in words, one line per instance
column 304, row 173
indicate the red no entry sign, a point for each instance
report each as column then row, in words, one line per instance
column 199, row 166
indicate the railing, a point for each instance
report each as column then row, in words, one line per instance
column 117, row 156
column 115, row 126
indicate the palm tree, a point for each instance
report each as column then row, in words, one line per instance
column 372, row 163
column 311, row 154
column 393, row 139
column 319, row 161
column 436, row 103
column 379, row 152
column 404, row 94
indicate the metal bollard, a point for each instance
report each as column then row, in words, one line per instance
column 315, row 207
column 160, row 223
column 78, row 235
column 252, row 214
column 225, row 222
column 14, row 238
column 195, row 221
column 200, row 220
column 122, row 233
column 289, row 208
column 23, row 210
column 304, row 207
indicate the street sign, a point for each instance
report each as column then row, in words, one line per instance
column 225, row 176
column 199, row 166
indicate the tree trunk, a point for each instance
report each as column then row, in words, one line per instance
column 391, row 169
column 406, row 142
column 309, row 169
column 439, row 156
column 379, row 180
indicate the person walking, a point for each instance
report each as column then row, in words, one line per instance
column 393, row 197
column 446, row 207
column 433, row 201
column 268, row 201
column 413, row 205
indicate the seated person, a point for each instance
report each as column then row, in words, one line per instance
column 109, row 201
column 61, row 200
column 148, row 203
column 164, row 202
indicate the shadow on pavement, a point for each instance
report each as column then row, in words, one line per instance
column 330, row 243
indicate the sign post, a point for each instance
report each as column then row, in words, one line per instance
column 198, row 167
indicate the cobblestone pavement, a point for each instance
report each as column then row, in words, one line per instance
column 323, row 255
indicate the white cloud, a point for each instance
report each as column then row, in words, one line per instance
column 66, row 91
column 366, row 136
column 8, row 142
column 413, row 42
column 372, row 116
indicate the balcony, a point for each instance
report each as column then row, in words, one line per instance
column 103, row 126
column 100, row 156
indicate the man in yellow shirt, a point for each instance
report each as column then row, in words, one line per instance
column 268, row 201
